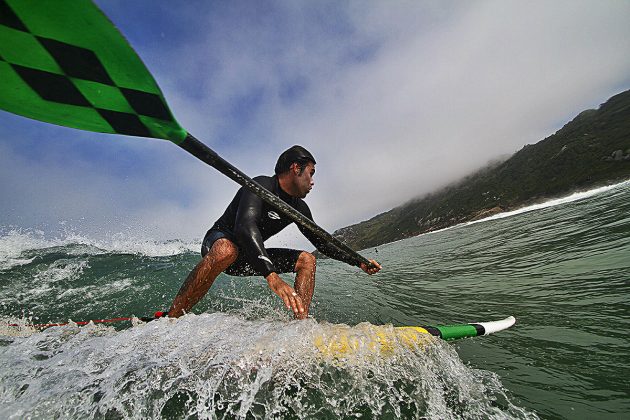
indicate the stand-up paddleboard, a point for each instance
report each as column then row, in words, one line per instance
column 336, row 341
column 341, row 340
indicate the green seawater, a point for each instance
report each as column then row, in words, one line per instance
column 562, row 269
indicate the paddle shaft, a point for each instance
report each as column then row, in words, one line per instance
column 209, row 156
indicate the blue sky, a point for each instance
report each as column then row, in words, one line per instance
column 394, row 99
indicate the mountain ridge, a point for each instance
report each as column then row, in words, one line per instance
column 593, row 149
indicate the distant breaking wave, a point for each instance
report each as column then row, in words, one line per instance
column 551, row 203
column 17, row 245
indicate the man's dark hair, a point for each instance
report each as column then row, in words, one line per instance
column 296, row 154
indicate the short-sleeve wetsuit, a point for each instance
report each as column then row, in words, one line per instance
column 248, row 222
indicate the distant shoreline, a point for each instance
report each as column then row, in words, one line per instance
column 570, row 198
column 577, row 195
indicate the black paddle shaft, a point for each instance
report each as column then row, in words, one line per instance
column 209, row 156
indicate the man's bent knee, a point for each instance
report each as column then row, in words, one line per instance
column 306, row 260
column 223, row 252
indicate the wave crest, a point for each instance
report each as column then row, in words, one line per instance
column 21, row 246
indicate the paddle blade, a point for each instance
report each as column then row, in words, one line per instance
column 65, row 63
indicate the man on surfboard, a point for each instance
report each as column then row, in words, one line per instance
column 234, row 244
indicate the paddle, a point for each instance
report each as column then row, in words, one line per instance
column 64, row 62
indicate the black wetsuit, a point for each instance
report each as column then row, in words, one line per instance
column 248, row 222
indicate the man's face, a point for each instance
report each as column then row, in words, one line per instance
column 304, row 181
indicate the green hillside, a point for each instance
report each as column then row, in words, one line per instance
column 591, row 150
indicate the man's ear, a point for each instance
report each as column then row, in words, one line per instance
column 295, row 168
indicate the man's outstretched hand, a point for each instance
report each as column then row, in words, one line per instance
column 286, row 293
column 371, row 269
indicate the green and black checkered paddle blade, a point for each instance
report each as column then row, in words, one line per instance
column 64, row 62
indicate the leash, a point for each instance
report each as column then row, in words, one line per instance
column 156, row 315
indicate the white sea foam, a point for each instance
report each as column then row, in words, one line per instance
column 61, row 270
column 15, row 242
column 219, row 365
column 18, row 246
column 45, row 284
column 99, row 292
column 16, row 327
column 124, row 244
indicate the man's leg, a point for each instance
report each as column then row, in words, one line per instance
column 305, row 280
column 221, row 255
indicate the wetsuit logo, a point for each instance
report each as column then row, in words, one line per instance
column 273, row 215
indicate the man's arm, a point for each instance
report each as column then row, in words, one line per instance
column 248, row 235
column 332, row 251
column 251, row 241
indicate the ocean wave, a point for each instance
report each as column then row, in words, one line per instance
column 21, row 246
column 15, row 242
